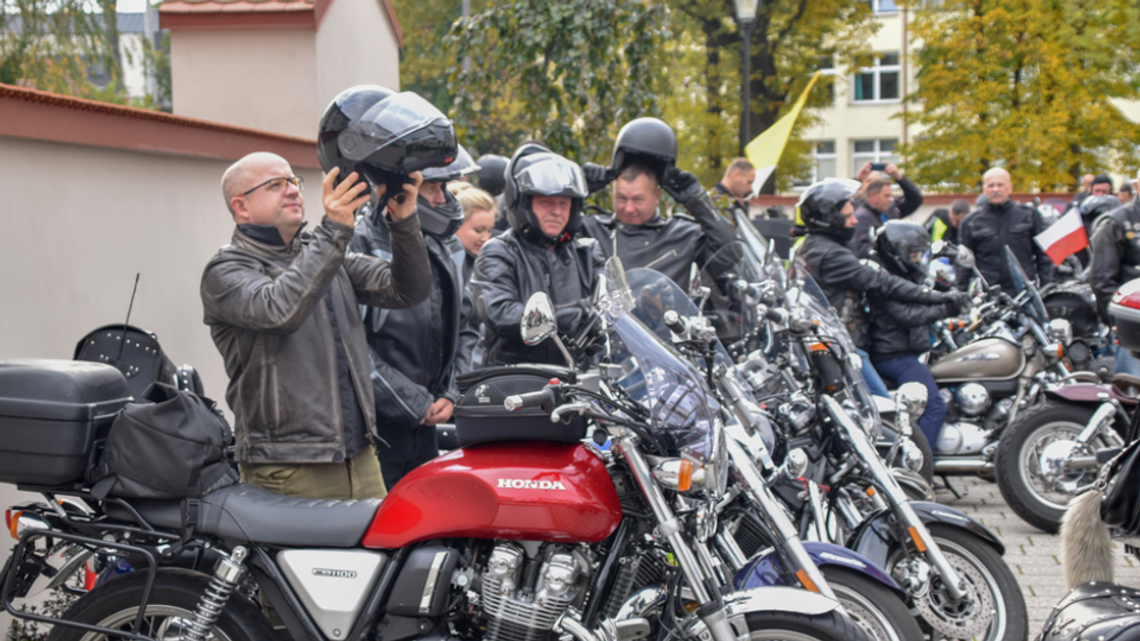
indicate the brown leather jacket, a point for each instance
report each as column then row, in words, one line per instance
column 265, row 307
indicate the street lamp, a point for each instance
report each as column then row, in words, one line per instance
column 746, row 11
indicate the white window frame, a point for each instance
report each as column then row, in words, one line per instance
column 877, row 69
column 877, row 6
column 878, row 155
column 800, row 185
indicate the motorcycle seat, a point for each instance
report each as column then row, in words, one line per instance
column 248, row 514
column 1126, row 384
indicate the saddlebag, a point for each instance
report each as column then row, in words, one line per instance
column 481, row 418
column 1095, row 610
column 50, row 413
column 172, row 447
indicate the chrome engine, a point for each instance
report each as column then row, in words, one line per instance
column 518, row 611
column 962, row 438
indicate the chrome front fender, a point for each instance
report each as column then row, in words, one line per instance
column 777, row 599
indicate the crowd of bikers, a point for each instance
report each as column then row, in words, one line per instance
column 344, row 343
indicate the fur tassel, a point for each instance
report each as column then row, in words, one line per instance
column 1086, row 544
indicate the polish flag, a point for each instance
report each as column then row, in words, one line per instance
column 1064, row 237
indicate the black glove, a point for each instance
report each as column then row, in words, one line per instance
column 597, row 176
column 569, row 316
column 959, row 299
column 682, row 185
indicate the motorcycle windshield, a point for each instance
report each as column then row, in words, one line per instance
column 1034, row 307
column 683, row 412
column 735, row 276
column 654, row 294
column 771, row 263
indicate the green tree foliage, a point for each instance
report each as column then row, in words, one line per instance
column 1024, row 84
column 791, row 39
column 577, row 69
column 58, row 45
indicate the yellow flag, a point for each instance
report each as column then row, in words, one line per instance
column 765, row 150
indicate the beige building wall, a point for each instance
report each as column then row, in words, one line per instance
column 70, row 250
column 849, row 121
column 259, row 78
column 356, row 44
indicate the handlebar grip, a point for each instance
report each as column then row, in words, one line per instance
column 775, row 314
column 530, row 399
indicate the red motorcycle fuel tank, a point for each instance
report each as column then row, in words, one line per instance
column 528, row 491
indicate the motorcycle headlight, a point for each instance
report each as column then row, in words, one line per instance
column 1060, row 331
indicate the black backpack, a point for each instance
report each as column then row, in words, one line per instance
column 172, row 447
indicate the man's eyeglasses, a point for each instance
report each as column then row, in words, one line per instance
column 277, row 185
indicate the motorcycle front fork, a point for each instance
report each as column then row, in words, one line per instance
column 711, row 609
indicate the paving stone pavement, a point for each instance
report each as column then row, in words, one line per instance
column 1033, row 555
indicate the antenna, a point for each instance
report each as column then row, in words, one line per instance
column 127, row 322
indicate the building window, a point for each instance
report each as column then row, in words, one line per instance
column 877, row 151
column 883, row 6
column 823, row 155
column 827, row 68
column 878, row 82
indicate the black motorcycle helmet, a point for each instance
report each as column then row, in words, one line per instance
column 1093, row 206
column 534, row 170
column 442, row 220
column 904, row 249
column 820, row 207
column 383, row 135
column 491, row 176
column 648, row 140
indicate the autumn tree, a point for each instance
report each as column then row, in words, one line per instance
column 56, row 45
column 576, row 70
column 791, row 39
column 1024, row 84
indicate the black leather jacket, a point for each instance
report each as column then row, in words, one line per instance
column 869, row 218
column 986, row 231
column 845, row 280
column 667, row 245
column 508, row 270
column 413, row 350
column 901, row 327
column 470, row 354
column 266, row 311
column 1115, row 253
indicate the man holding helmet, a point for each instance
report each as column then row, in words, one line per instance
column 282, row 306
column 414, row 349
column 541, row 251
column 900, row 328
column 644, row 163
column 828, row 218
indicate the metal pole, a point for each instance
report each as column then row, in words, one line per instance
column 746, row 88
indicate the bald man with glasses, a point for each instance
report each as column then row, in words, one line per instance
column 283, row 309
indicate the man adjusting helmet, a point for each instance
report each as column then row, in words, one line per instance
column 644, row 163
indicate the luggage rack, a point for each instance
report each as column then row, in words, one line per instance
column 17, row 580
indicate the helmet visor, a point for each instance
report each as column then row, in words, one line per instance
column 393, row 118
column 555, row 176
column 462, row 166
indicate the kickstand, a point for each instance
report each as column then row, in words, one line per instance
column 958, row 495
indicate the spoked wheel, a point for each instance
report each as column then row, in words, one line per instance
column 1022, row 485
column 994, row 609
column 786, row 626
column 169, row 611
column 872, row 605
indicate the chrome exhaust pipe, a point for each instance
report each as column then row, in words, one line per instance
column 963, row 466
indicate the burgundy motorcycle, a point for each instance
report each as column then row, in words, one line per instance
column 1053, row 451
